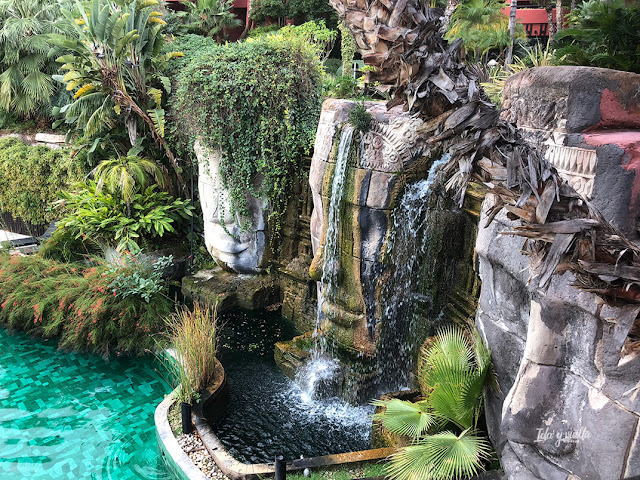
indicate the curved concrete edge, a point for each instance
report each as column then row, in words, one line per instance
column 176, row 461
column 236, row 470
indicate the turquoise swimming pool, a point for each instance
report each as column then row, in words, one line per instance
column 73, row 416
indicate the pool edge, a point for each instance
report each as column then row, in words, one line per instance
column 175, row 459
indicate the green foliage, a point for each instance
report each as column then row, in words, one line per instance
column 258, row 102
column 482, row 27
column 30, row 178
column 50, row 299
column 211, row 17
column 25, row 68
column 347, row 49
column 312, row 10
column 344, row 86
column 359, row 118
column 602, row 34
column 273, row 9
column 115, row 70
column 193, row 336
column 536, row 56
column 314, row 33
column 125, row 175
column 137, row 275
column 454, row 372
column 63, row 246
column 263, row 30
column 444, row 455
column 106, row 219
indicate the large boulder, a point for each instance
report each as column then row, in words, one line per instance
column 568, row 364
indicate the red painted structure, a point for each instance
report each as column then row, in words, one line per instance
column 535, row 20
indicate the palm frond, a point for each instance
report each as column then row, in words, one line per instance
column 443, row 456
column 405, row 418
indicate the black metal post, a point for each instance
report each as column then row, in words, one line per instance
column 281, row 468
column 185, row 410
column 191, row 256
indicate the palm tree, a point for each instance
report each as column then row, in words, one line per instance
column 512, row 31
column 481, row 26
column 212, row 17
column 127, row 175
column 25, row 71
column 454, row 373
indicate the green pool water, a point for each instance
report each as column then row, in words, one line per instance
column 73, row 416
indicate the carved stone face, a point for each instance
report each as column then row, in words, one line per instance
column 233, row 249
column 376, row 171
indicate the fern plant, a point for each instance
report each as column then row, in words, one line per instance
column 442, row 427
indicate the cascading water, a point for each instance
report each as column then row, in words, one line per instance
column 317, row 377
column 408, row 254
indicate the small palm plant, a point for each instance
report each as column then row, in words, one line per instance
column 212, row 17
column 127, row 175
column 442, row 427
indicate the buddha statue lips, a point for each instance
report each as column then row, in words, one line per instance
column 237, row 245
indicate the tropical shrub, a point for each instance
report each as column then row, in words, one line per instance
column 31, row 177
column 115, row 70
column 259, row 103
column 108, row 220
column 442, row 427
column 73, row 302
column 137, row 275
column 482, row 27
column 602, row 34
column 211, row 17
column 192, row 334
column 26, row 87
column 263, row 9
column 536, row 56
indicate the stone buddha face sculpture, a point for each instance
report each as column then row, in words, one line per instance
column 233, row 248
column 377, row 166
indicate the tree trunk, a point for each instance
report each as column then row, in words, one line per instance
column 448, row 11
column 558, row 15
column 512, row 32
column 552, row 25
column 247, row 27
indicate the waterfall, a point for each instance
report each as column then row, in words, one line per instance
column 331, row 260
column 319, row 375
column 408, row 255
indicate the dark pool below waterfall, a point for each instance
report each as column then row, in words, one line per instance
column 270, row 415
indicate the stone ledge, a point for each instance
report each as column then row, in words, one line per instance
column 175, row 459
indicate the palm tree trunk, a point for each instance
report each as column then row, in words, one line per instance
column 558, row 15
column 448, row 11
column 247, row 26
column 512, row 32
column 552, row 25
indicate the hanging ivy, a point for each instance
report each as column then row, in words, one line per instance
column 258, row 102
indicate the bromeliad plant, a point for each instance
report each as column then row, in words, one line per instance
column 115, row 71
column 442, row 426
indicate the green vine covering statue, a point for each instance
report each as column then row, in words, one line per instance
column 258, row 103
